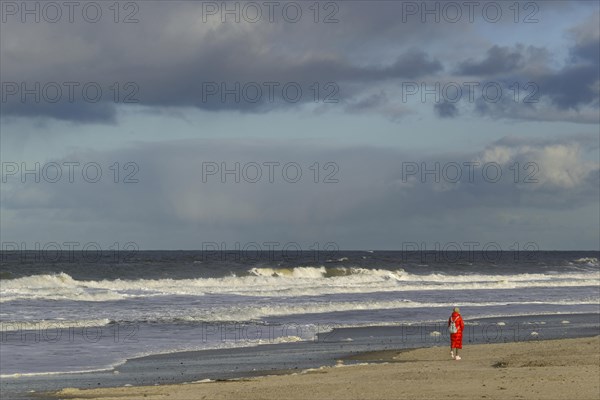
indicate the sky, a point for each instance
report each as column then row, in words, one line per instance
column 355, row 124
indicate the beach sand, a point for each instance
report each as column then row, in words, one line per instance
column 550, row 369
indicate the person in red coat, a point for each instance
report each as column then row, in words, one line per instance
column 456, row 338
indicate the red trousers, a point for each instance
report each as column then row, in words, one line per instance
column 456, row 340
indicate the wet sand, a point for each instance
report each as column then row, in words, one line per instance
column 550, row 369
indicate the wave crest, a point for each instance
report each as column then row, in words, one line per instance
column 281, row 282
column 322, row 272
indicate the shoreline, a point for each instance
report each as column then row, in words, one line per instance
column 544, row 369
column 349, row 344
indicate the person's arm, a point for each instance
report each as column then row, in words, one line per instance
column 462, row 324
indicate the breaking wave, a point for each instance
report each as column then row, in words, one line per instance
column 588, row 261
column 255, row 313
column 280, row 282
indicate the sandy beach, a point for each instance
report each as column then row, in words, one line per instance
column 550, row 369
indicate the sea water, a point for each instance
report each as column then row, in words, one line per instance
column 69, row 314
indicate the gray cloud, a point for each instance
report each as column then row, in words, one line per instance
column 171, row 55
column 570, row 93
column 79, row 112
column 243, row 83
column 446, row 109
column 378, row 103
column 573, row 86
column 499, row 60
column 374, row 188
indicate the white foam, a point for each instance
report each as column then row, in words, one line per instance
column 467, row 322
column 298, row 272
column 251, row 312
column 20, row 375
column 590, row 261
column 280, row 282
column 12, row 326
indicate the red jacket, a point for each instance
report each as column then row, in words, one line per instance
column 456, row 338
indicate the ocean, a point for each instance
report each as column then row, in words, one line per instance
column 69, row 312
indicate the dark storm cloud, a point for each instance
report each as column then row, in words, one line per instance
column 572, row 86
column 499, row 60
column 578, row 82
column 244, row 83
column 544, row 93
column 413, row 64
column 446, row 109
column 587, row 51
column 174, row 58
column 82, row 112
column 188, row 87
